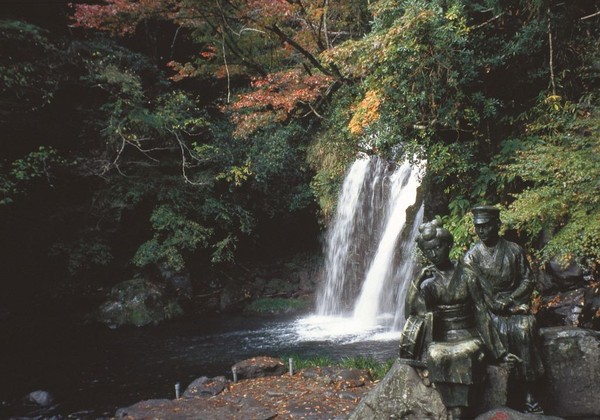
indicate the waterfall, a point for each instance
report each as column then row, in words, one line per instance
column 368, row 251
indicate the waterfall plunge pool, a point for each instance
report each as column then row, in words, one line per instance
column 92, row 370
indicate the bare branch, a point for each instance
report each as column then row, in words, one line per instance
column 551, row 60
column 174, row 39
column 301, row 50
column 487, row 21
column 184, row 164
column 314, row 111
column 590, row 16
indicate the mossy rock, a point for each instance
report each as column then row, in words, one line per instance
column 137, row 302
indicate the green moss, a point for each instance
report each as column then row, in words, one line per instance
column 376, row 368
column 138, row 302
column 139, row 316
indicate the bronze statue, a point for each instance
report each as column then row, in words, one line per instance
column 460, row 334
column 503, row 272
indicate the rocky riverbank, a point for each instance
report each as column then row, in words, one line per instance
column 571, row 357
column 317, row 393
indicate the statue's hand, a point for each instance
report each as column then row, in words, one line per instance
column 502, row 305
column 510, row 360
column 519, row 309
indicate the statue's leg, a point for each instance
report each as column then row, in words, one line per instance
column 523, row 342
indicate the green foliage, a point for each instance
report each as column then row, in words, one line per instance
column 36, row 165
column 173, row 235
column 277, row 305
column 160, row 175
column 39, row 166
column 90, row 250
column 7, row 189
column 460, row 224
column 560, row 164
column 332, row 151
column 31, row 68
column 423, row 60
column 278, row 162
column 376, row 368
column 457, row 83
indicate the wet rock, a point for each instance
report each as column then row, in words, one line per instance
column 259, row 367
column 572, row 361
column 178, row 282
column 37, row 405
column 505, row 413
column 401, row 394
column 206, row 387
column 40, row 398
column 137, row 302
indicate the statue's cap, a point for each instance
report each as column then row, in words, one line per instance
column 483, row 214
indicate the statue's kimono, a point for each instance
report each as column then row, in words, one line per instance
column 504, row 274
column 461, row 333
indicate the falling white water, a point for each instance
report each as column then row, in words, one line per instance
column 403, row 194
column 368, row 255
column 406, row 270
column 338, row 256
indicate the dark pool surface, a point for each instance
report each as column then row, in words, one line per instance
column 93, row 370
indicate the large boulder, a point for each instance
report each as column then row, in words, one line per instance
column 557, row 278
column 137, row 302
column 402, row 394
column 259, row 367
column 572, row 360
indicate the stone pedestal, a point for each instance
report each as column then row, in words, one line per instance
column 571, row 358
column 494, row 390
column 402, row 394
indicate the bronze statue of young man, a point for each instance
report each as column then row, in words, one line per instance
column 503, row 272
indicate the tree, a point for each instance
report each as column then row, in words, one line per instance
column 276, row 43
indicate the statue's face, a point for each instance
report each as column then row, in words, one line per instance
column 436, row 251
column 488, row 231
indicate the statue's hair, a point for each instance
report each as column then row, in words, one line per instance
column 434, row 230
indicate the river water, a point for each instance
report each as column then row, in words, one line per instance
column 92, row 370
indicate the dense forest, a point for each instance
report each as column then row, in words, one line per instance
column 196, row 135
